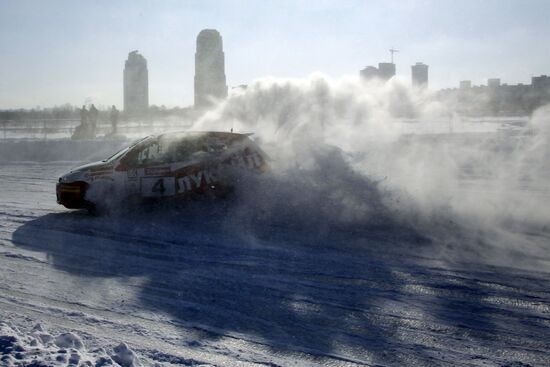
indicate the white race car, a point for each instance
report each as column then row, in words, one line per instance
column 167, row 165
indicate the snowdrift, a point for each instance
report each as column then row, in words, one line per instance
column 40, row 348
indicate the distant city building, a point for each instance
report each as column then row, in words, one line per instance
column 369, row 73
column 419, row 73
column 541, row 83
column 386, row 70
column 136, row 84
column 493, row 83
column 496, row 99
column 465, row 84
column 210, row 80
column 541, row 89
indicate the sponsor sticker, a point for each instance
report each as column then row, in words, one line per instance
column 101, row 170
column 157, row 171
column 195, row 180
column 189, row 181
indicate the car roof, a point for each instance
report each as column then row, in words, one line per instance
column 210, row 134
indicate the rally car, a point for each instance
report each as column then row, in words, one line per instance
column 166, row 165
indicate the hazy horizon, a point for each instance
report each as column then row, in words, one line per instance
column 60, row 52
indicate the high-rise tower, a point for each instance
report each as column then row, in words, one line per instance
column 136, row 84
column 419, row 75
column 210, row 81
column 386, row 70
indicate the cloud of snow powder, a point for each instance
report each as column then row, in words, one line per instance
column 350, row 153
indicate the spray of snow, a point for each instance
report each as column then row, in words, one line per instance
column 342, row 153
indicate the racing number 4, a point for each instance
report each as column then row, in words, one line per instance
column 159, row 186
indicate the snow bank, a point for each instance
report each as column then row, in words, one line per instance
column 40, row 349
column 125, row 357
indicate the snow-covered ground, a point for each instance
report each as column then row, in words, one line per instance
column 203, row 284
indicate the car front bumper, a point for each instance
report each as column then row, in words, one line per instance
column 72, row 195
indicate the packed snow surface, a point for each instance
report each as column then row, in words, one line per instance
column 199, row 284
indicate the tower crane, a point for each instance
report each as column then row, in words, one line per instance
column 392, row 51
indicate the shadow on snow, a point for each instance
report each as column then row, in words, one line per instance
column 363, row 295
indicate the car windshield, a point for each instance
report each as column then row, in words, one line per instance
column 123, row 151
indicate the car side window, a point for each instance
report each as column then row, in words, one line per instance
column 184, row 149
column 216, row 146
column 156, row 152
column 188, row 149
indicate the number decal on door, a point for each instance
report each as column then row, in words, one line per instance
column 158, row 186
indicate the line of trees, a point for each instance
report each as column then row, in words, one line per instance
column 62, row 112
column 68, row 111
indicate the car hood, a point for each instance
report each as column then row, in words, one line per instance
column 91, row 166
column 84, row 172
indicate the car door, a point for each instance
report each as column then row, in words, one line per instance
column 150, row 165
column 195, row 172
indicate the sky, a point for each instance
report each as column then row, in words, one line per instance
column 54, row 52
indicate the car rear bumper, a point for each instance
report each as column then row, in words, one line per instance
column 71, row 195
